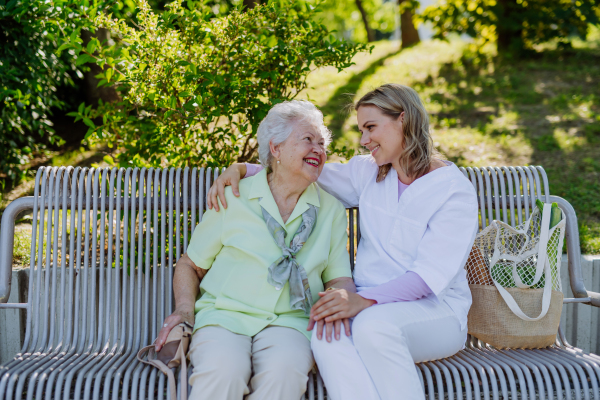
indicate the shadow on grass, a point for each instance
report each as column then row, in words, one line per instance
column 345, row 95
column 550, row 102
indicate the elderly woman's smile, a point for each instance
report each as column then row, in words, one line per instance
column 302, row 155
column 312, row 161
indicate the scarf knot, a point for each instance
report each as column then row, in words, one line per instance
column 286, row 268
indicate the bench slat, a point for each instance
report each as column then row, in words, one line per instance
column 104, row 245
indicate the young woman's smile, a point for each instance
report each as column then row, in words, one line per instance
column 381, row 134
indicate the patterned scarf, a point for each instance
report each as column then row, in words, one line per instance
column 286, row 268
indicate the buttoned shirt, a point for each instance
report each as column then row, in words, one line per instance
column 236, row 248
column 429, row 230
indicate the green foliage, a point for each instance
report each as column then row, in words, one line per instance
column 516, row 25
column 30, row 73
column 343, row 17
column 194, row 88
column 33, row 73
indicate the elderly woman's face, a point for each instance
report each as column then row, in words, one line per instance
column 303, row 153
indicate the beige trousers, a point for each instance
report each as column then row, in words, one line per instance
column 274, row 364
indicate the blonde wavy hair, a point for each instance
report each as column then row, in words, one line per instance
column 393, row 99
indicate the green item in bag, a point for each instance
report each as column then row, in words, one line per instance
column 503, row 273
column 555, row 218
column 556, row 213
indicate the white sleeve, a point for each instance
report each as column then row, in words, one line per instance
column 447, row 241
column 346, row 181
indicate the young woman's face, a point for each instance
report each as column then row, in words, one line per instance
column 381, row 134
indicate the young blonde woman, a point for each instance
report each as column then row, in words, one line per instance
column 418, row 222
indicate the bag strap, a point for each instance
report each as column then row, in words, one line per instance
column 542, row 254
column 543, row 266
column 512, row 304
column 155, row 362
column 184, row 384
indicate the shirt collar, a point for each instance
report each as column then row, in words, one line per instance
column 260, row 189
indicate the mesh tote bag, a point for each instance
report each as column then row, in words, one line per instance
column 514, row 276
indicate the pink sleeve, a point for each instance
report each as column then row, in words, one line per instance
column 252, row 169
column 408, row 287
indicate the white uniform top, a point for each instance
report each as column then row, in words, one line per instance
column 429, row 231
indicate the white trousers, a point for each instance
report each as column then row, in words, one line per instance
column 378, row 360
column 273, row 364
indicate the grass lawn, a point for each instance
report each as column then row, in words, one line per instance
column 542, row 111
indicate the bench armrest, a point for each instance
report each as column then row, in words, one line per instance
column 573, row 248
column 7, row 242
column 595, row 298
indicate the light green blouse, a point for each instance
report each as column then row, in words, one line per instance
column 236, row 247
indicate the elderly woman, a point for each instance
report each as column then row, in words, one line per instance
column 259, row 266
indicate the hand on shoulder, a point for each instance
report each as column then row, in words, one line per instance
column 231, row 177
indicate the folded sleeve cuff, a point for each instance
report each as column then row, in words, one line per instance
column 252, row 169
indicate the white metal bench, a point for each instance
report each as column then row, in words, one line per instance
column 99, row 290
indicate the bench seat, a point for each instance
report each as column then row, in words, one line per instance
column 104, row 245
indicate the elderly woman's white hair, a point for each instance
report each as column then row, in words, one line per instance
column 279, row 123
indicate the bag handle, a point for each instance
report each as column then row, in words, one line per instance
column 542, row 254
column 543, row 266
column 155, row 362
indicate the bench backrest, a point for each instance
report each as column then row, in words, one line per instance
column 105, row 241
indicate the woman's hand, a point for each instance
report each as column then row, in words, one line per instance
column 231, row 177
column 338, row 304
column 330, row 327
column 178, row 316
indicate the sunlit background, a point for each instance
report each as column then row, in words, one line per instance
column 530, row 95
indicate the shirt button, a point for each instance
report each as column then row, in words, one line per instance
column 270, row 318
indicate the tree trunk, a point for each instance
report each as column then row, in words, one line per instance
column 363, row 14
column 410, row 34
column 510, row 31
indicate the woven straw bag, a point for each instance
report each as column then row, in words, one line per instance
column 514, row 276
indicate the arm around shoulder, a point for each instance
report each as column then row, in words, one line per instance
column 346, row 182
column 230, row 177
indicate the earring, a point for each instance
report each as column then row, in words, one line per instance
column 278, row 162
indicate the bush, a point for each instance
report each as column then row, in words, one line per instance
column 30, row 74
column 35, row 81
column 194, row 88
